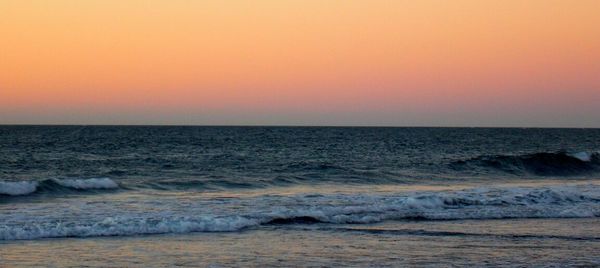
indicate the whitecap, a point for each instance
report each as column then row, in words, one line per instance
column 18, row 187
column 86, row 184
column 172, row 214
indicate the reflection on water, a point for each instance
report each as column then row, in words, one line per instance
column 520, row 242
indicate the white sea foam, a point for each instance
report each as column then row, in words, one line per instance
column 85, row 184
column 124, row 226
column 18, row 187
column 184, row 214
column 15, row 188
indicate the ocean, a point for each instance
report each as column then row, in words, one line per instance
column 165, row 196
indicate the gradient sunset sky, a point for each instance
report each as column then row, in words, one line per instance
column 305, row 62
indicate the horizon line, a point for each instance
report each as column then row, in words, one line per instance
column 284, row 126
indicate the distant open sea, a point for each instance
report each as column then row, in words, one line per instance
column 145, row 196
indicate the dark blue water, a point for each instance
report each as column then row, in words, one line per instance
column 213, row 158
column 89, row 181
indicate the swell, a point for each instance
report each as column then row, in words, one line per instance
column 19, row 188
column 580, row 201
column 540, row 164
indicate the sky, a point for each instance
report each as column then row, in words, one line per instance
column 533, row 63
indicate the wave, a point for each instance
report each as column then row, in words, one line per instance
column 580, row 201
column 86, row 184
column 17, row 188
column 541, row 164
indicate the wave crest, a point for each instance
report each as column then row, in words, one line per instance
column 86, row 184
column 580, row 201
column 17, row 188
column 541, row 164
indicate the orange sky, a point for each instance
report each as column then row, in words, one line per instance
column 315, row 62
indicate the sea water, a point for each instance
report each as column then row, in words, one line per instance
column 298, row 196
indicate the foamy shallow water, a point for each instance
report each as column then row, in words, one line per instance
column 510, row 243
column 151, row 212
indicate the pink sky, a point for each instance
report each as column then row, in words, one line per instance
column 398, row 63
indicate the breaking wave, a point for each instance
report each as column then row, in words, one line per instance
column 15, row 188
column 541, row 164
column 580, row 201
